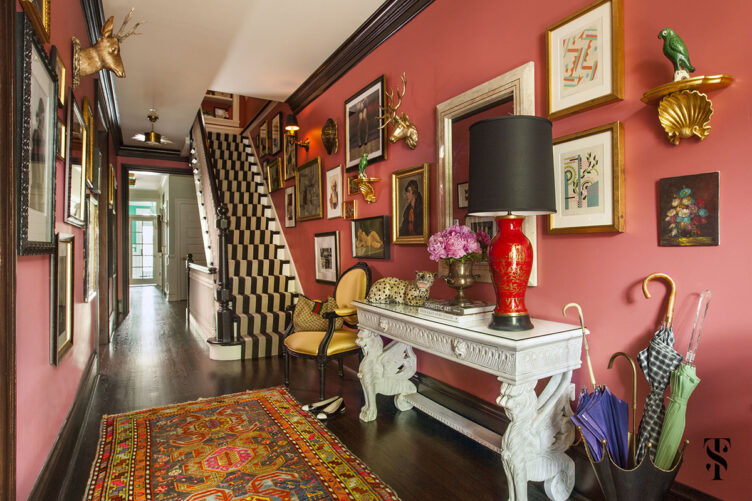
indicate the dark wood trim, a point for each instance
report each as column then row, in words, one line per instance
column 125, row 238
column 127, row 150
column 258, row 114
column 8, row 250
column 54, row 476
column 160, row 170
column 385, row 22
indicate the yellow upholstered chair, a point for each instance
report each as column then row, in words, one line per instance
column 332, row 343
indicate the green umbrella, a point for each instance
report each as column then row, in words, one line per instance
column 684, row 380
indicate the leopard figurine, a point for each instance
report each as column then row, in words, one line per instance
column 395, row 290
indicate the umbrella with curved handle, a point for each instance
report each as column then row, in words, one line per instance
column 633, row 440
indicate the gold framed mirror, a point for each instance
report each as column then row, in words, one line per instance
column 515, row 90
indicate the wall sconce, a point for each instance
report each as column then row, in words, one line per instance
column 292, row 128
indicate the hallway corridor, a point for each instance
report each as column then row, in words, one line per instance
column 154, row 361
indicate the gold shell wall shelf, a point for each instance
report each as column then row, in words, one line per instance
column 683, row 108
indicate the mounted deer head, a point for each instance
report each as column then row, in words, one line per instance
column 403, row 129
column 105, row 54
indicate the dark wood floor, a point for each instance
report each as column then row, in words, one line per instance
column 153, row 360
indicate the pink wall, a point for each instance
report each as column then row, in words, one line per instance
column 249, row 106
column 45, row 393
column 453, row 46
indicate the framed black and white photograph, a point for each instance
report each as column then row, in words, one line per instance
column 37, row 124
column 370, row 237
column 308, row 190
column 75, row 160
column 290, row 207
column 276, row 127
column 290, row 156
column 263, row 139
column 91, row 248
column 410, row 205
column 274, row 175
column 334, row 192
column 463, row 195
column 61, row 336
column 326, row 256
column 362, row 125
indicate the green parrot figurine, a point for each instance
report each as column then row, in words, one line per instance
column 675, row 50
column 362, row 165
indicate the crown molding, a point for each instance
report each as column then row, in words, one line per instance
column 385, row 22
column 127, row 150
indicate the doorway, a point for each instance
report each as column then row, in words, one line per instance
column 143, row 264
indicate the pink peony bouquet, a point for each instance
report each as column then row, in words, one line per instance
column 455, row 242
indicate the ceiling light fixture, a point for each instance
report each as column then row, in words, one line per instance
column 152, row 137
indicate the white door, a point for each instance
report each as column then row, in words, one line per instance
column 143, row 248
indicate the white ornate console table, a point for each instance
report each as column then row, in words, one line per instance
column 539, row 431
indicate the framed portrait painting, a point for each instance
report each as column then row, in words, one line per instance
column 589, row 181
column 61, row 338
column 274, row 175
column 410, row 205
column 290, row 207
column 688, row 210
column 334, row 192
column 276, row 130
column 308, row 190
column 290, row 156
column 75, row 159
column 36, row 123
column 586, row 59
column 370, row 237
column 326, row 256
column 362, row 125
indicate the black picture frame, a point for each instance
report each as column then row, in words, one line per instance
column 463, row 197
column 36, row 177
column 57, row 60
column 75, row 164
column 364, row 131
column 326, row 257
column 276, row 133
column 308, row 193
column 61, row 297
column 290, row 156
column 365, row 246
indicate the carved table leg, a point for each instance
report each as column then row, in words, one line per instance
column 539, row 433
column 386, row 371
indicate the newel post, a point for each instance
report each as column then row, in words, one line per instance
column 225, row 315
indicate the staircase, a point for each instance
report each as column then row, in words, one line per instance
column 262, row 283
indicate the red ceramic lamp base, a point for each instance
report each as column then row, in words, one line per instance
column 510, row 257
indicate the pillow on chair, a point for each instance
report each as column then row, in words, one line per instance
column 308, row 314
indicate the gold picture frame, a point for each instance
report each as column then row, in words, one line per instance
column 410, row 205
column 39, row 15
column 274, row 175
column 349, row 209
column 577, row 47
column 589, row 190
column 308, row 191
column 89, row 144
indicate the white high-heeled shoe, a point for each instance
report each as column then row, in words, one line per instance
column 336, row 407
column 318, row 405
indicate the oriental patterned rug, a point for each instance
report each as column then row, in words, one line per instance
column 252, row 446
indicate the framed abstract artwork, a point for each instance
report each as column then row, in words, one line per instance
column 36, row 123
column 410, row 205
column 290, row 207
column 363, row 132
column 290, row 156
column 75, row 160
column 61, row 338
column 589, row 181
column 370, row 237
column 586, row 59
column 334, row 192
column 688, row 210
column 276, row 132
column 326, row 256
column 308, row 190
column 274, row 175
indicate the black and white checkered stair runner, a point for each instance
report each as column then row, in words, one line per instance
column 261, row 276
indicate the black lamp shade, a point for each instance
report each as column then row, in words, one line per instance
column 511, row 166
column 291, row 123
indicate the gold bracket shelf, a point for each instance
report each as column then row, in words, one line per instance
column 683, row 108
column 366, row 189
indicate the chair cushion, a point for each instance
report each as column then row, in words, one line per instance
column 308, row 342
column 307, row 315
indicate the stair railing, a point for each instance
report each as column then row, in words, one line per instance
column 215, row 236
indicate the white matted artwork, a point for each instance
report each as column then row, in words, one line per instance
column 487, row 224
column 334, row 192
column 290, row 207
column 326, row 256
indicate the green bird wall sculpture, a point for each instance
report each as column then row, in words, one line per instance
column 675, row 50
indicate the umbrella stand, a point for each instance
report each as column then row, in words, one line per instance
column 645, row 482
column 633, row 438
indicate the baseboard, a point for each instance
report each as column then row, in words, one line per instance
column 493, row 418
column 54, row 475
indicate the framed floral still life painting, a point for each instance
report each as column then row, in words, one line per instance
column 363, row 131
column 589, row 181
column 370, row 237
column 334, row 192
column 326, row 256
column 61, row 338
column 688, row 210
column 410, row 205
column 308, row 190
column 586, row 59
column 36, row 122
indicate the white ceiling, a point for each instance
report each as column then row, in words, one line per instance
column 258, row 48
column 148, row 181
